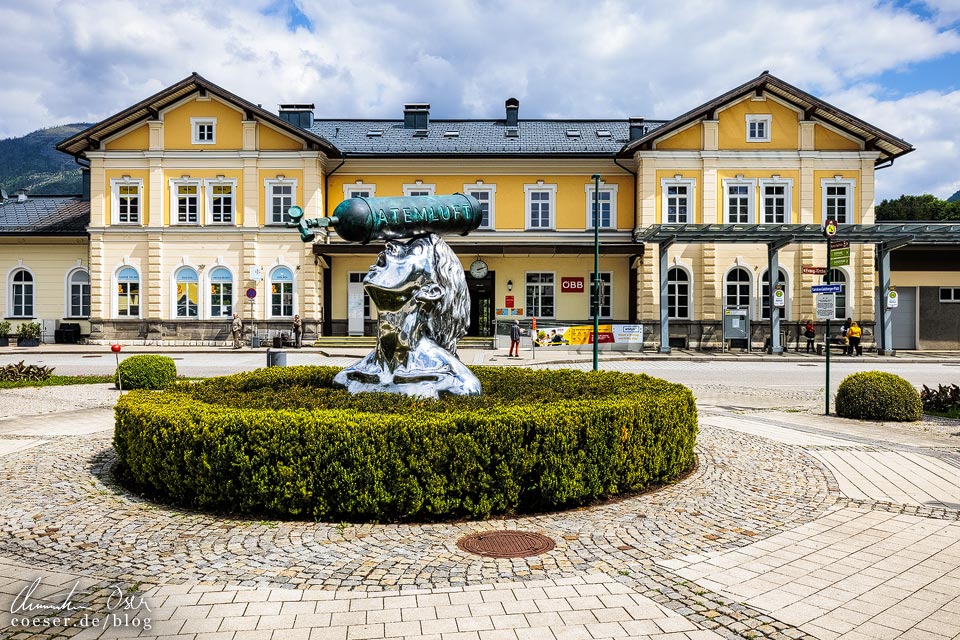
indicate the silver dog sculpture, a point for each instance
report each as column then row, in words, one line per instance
column 423, row 304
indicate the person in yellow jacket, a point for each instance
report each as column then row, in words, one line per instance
column 854, row 333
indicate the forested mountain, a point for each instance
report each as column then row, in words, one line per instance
column 954, row 198
column 32, row 162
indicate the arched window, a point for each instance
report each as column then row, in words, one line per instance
column 765, row 294
column 281, row 292
column 737, row 290
column 678, row 293
column 78, row 293
column 839, row 277
column 221, row 293
column 188, row 292
column 128, row 293
column 21, row 294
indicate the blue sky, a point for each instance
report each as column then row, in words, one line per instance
column 894, row 64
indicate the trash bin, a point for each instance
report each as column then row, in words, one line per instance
column 254, row 342
column 276, row 358
column 277, row 342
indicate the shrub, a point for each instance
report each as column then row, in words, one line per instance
column 876, row 395
column 4, row 328
column 146, row 372
column 282, row 441
column 942, row 401
column 20, row 372
column 29, row 331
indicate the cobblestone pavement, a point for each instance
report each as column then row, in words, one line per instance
column 793, row 525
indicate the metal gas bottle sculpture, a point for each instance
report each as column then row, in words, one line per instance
column 418, row 287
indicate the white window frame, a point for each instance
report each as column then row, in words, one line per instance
column 528, row 190
column 207, row 282
column 68, row 287
column 116, row 293
column 603, row 285
column 851, row 186
column 665, row 184
column 268, row 185
column 293, row 292
column 196, row 123
column 351, row 187
column 949, row 295
column 787, row 184
column 175, row 315
column 759, row 118
column 750, row 289
column 115, row 185
column 612, row 189
column 428, row 189
column 675, row 296
column 526, row 284
column 33, row 292
column 208, row 186
column 357, row 277
column 491, row 191
column 751, row 185
column 176, row 183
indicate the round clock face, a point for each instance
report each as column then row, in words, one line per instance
column 478, row 269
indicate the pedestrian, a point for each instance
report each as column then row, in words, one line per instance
column 297, row 331
column 809, row 333
column 854, row 334
column 514, row 340
column 845, row 336
column 236, row 328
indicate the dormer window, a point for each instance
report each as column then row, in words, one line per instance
column 758, row 128
column 573, row 133
column 375, row 133
column 512, row 132
column 204, row 130
column 603, row 133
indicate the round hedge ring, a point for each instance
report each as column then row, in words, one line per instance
column 282, row 441
column 877, row 395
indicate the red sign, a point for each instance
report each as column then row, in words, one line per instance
column 508, row 302
column 818, row 271
column 572, row 285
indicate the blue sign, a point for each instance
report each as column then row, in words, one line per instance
column 826, row 288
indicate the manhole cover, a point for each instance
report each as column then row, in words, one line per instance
column 506, row 544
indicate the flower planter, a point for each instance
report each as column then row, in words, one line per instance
column 28, row 342
column 4, row 341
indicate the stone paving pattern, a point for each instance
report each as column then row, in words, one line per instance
column 791, row 526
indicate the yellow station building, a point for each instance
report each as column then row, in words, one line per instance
column 189, row 189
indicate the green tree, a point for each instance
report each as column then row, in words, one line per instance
column 925, row 207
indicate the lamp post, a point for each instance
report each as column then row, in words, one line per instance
column 596, row 271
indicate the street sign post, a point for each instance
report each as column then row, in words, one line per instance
column 829, row 229
column 839, row 253
column 817, row 271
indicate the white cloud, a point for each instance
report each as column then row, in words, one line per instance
column 88, row 59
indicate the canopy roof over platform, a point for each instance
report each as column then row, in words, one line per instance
column 780, row 235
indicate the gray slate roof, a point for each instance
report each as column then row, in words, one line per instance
column 476, row 137
column 45, row 215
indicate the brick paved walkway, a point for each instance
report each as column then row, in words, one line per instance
column 792, row 526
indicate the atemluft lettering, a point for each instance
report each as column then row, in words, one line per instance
column 410, row 215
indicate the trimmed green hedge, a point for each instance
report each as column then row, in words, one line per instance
column 146, row 372
column 877, row 395
column 536, row 440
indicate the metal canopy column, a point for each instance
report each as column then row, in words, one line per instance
column 773, row 278
column 664, row 298
column 885, row 321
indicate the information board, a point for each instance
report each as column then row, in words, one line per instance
column 826, row 306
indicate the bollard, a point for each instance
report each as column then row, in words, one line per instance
column 276, row 358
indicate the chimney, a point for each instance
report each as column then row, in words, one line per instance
column 638, row 128
column 85, row 185
column 416, row 115
column 513, row 111
column 22, row 195
column 299, row 115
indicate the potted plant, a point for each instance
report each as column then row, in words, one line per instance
column 28, row 334
column 4, row 331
